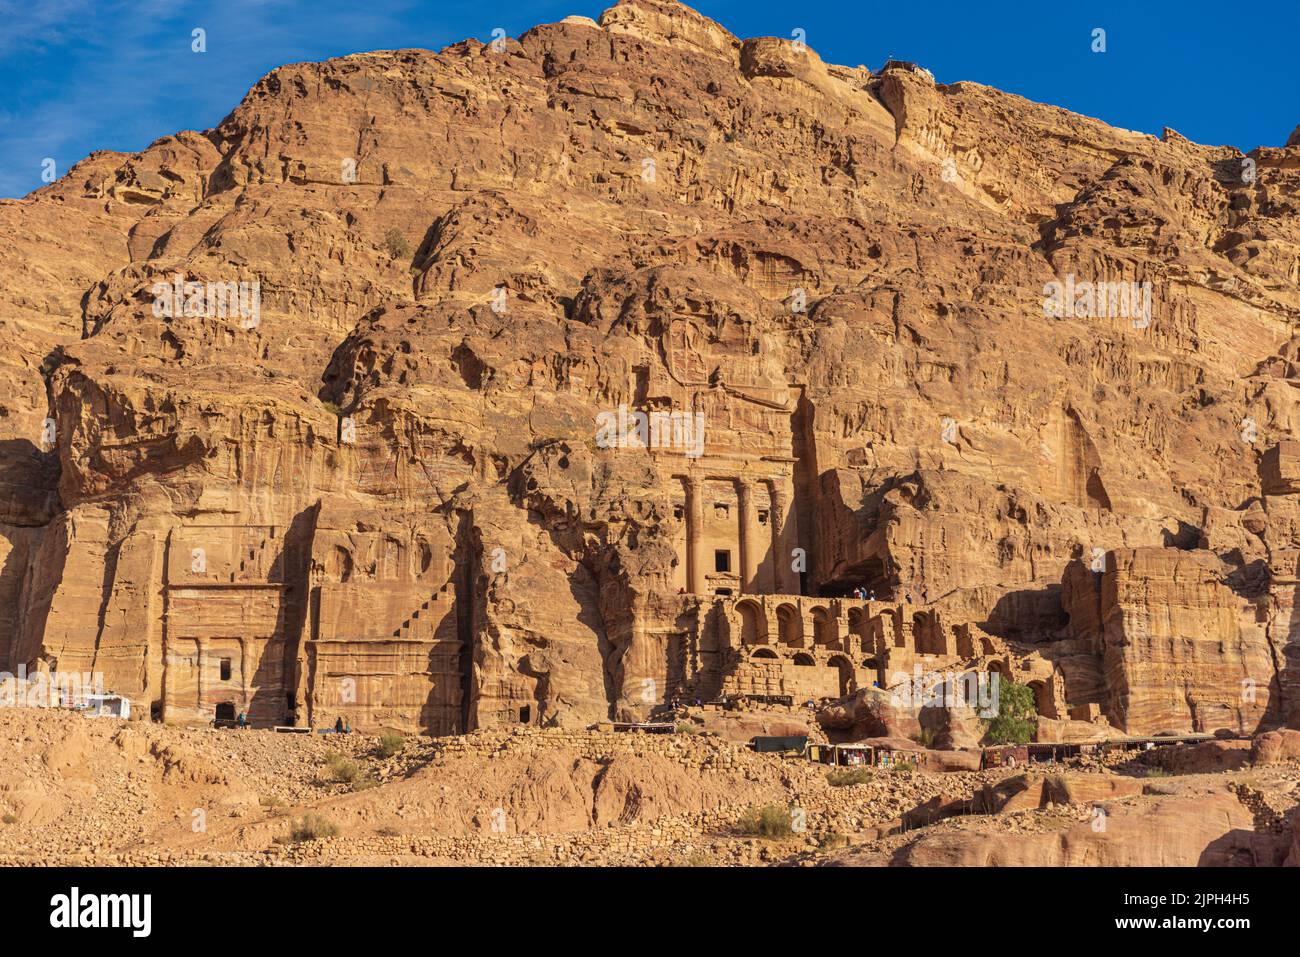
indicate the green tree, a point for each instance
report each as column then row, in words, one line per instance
column 1017, row 716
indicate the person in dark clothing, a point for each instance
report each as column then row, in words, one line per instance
column 242, row 720
column 338, row 725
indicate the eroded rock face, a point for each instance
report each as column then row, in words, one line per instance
column 1179, row 643
column 1208, row 830
column 1275, row 747
column 1026, row 792
column 515, row 371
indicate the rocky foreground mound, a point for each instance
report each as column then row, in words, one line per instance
column 629, row 362
column 87, row 791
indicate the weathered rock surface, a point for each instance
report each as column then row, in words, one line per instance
column 1023, row 791
column 1276, row 747
column 384, row 492
column 82, row 790
column 1202, row 758
column 1207, row 830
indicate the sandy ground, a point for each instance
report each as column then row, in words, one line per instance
column 99, row 791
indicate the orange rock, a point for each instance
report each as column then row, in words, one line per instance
column 1276, row 747
column 308, row 415
column 1212, row 830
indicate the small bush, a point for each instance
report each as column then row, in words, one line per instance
column 390, row 742
column 270, row 801
column 687, row 728
column 312, row 827
column 905, row 766
column 343, row 770
column 831, row 840
column 10, row 819
column 1156, row 773
column 396, row 244
column 770, row 820
column 844, row 777
column 926, row 737
column 699, row 859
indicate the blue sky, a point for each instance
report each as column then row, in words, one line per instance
column 80, row 75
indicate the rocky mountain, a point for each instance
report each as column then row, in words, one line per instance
column 629, row 363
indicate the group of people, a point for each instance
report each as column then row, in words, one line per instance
column 862, row 593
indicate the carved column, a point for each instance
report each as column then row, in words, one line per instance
column 750, row 549
column 843, row 634
column 244, row 670
column 695, row 583
column 203, row 672
column 168, row 676
column 781, row 557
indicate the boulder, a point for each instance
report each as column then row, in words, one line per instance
column 1276, row 747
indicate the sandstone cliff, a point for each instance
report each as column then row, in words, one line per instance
column 377, row 478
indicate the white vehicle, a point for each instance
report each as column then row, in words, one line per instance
column 107, row 706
